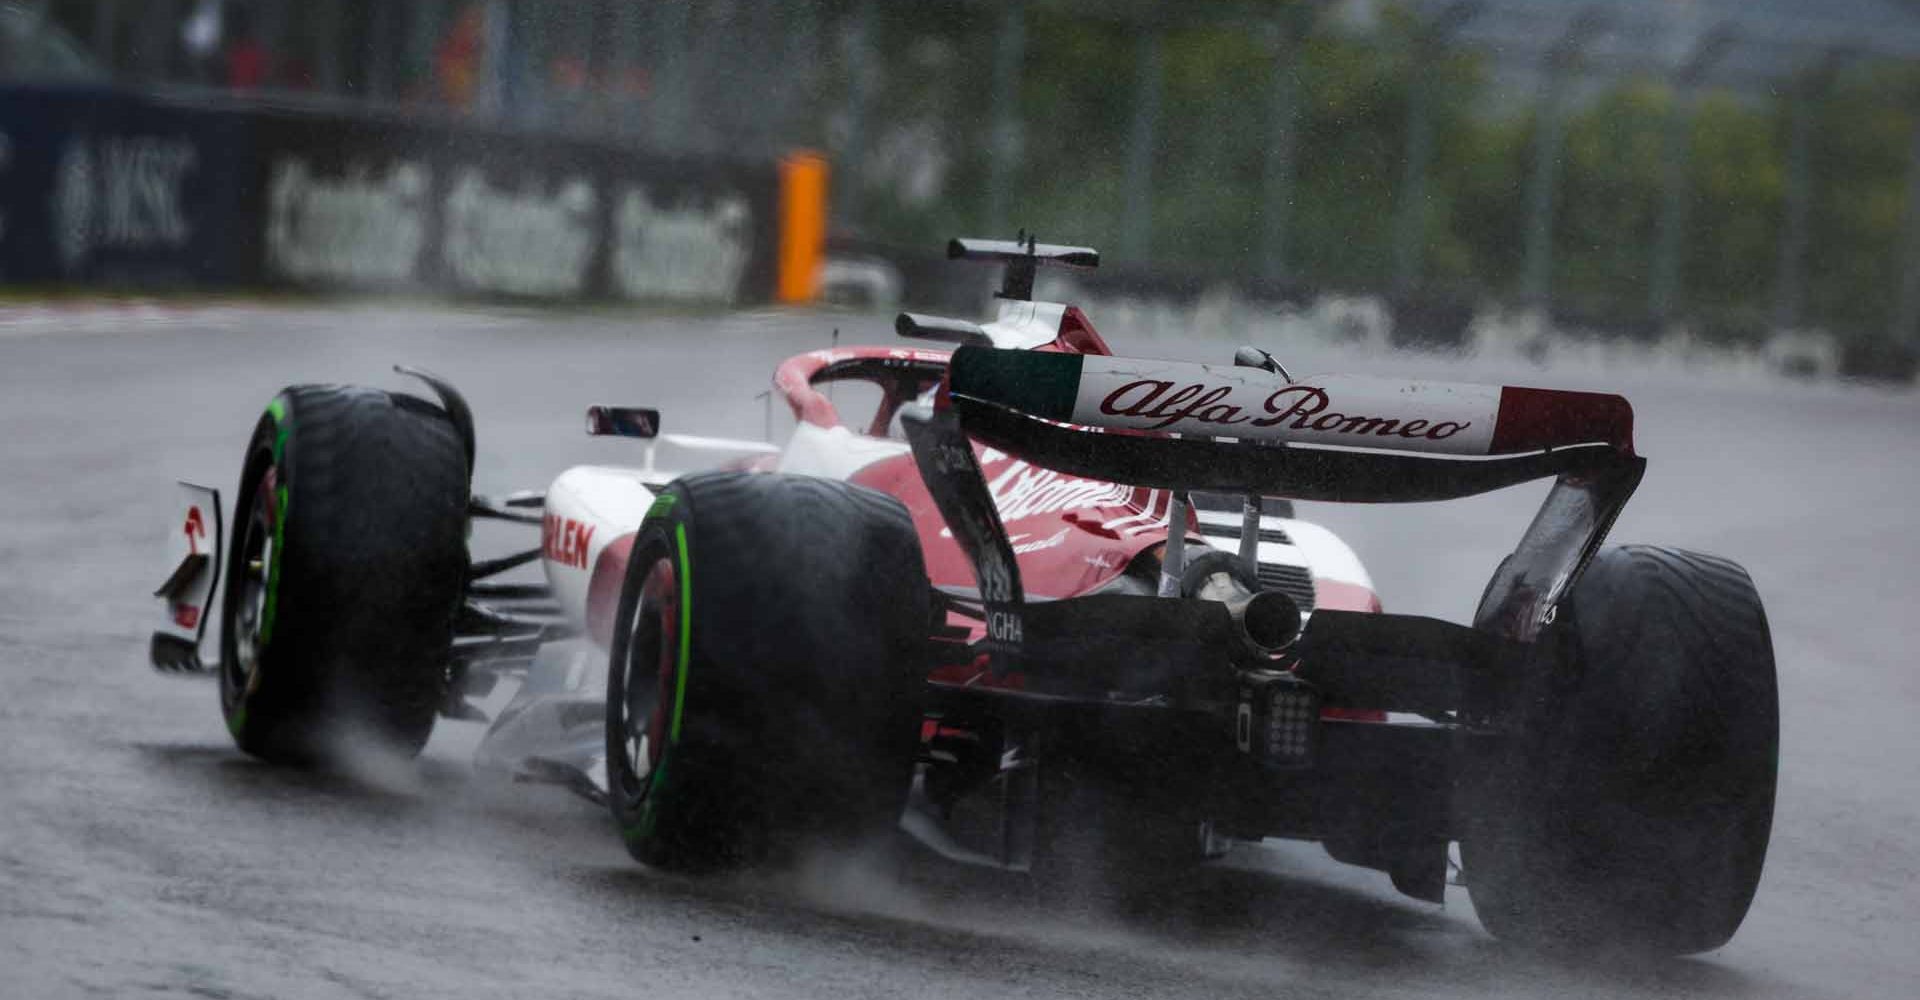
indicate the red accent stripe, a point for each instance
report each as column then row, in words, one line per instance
column 1537, row 419
column 1337, row 596
column 943, row 393
column 603, row 589
column 1354, row 714
column 1077, row 336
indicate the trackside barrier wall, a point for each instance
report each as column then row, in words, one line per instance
column 113, row 188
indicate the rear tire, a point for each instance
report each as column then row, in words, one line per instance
column 765, row 688
column 1632, row 811
column 344, row 575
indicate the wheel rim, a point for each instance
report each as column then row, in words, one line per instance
column 649, row 674
column 252, row 582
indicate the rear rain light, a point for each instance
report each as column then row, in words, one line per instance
column 1278, row 721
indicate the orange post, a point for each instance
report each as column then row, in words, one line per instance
column 803, row 225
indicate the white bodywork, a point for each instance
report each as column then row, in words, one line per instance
column 193, row 547
column 588, row 508
column 1024, row 325
column 835, row 452
column 1247, row 403
column 1310, row 545
column 591, row 507
column 193, row 550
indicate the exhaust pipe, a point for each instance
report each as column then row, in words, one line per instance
column 1269, row 619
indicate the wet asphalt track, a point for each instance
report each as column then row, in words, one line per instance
column 140, row 855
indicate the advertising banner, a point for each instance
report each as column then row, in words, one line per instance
column 98, row 187
column 104, row 187
column 369, row 204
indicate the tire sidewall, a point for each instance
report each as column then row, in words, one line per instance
column 241, row 699
column 639, row 815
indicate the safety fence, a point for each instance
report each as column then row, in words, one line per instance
column 1738, row 167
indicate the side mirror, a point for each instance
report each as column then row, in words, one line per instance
column 623, row 421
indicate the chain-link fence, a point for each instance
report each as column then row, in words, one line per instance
column 1738, row 166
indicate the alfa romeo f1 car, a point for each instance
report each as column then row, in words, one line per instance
column 1044, row 609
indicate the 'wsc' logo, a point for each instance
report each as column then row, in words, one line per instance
column 120, row 194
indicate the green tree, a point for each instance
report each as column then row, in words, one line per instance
column 1736, row 186
column 1859, row 163
column 1610, row 198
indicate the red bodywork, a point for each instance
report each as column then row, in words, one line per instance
column 1072, row 535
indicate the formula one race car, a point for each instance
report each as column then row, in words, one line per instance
column 1043, row 609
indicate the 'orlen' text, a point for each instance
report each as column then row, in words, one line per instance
column 566, row 541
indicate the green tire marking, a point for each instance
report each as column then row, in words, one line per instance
column 686, row 632
column 657, row 778
column 273, row 569
column 662, row 504
column 649, row 818
column 277, row 409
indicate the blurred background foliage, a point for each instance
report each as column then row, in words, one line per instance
column 1076, row 98
column 1271, row 142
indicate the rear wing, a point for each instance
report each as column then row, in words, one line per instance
column 1342, row 438
column 1050, row 407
